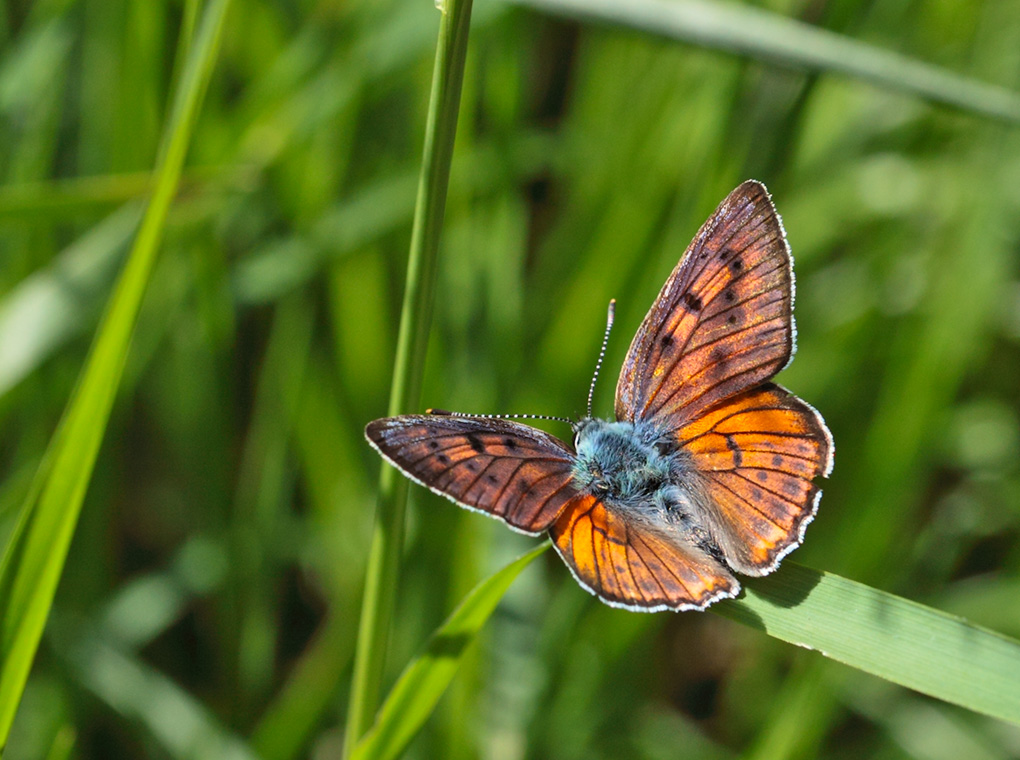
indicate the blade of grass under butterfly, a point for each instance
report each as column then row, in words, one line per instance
column 423, row 682
column 901, row 641
column 760, row 34
column 416, row 316
column 34, row 557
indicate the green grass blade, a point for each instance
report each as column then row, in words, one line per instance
column 907, row 643
column 34, row 558
column 760, row 34
column 55, row 200
column 416, row 316
column 423, row 682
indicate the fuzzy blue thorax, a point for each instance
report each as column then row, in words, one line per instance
column 622, row 461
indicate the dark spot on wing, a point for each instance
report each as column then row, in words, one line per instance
column 736, row 265
column 492, row 479
column 692, row 302
column 666, row 341
column 443, row 459
column 777, row 461
column 762, row 476
column 730, row 296
column 510, row 443
column 732, row 319
column 719, row 361
column 471, row 466
column 475, row 442
column 738, row 455
column 433, row 444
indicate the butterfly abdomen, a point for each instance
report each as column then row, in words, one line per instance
column 626, row 465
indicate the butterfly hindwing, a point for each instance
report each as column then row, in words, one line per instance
column 723, row 321
column 757, row 455
column 516, row 473
column 628, row 564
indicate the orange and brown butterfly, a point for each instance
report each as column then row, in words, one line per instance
column 708, row 468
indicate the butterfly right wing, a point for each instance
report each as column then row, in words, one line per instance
column 510, row 471
column 722, row 323
column 627, row 564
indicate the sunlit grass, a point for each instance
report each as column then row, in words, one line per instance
column 33, row 560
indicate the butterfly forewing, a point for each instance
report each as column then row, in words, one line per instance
column 628, row 564
column 757, row 454
column 510, row 471
column 722, row 322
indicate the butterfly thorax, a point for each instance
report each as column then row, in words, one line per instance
column 622, row 461
column 641, row 471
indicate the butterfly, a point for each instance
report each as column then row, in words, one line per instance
column 708, row 469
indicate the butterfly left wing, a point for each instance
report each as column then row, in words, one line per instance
column 756, row 456
column 723, row 321
column 510, row 471
column 629, row 564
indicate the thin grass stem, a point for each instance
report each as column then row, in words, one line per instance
column 416, row 316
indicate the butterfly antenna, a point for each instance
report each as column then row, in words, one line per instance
column 445, row 413
column 602, row 352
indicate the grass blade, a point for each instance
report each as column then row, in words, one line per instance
column 416, row 316
column 421, row 685
column 760, row 34
column 902, row 641
column 34, row 558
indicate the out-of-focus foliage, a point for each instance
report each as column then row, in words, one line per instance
column 210, row 600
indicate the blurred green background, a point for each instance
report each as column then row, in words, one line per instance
column 210, row 602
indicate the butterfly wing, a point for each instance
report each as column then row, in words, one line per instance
column 510, row 471
column 628, row 564
column 723, row 321
column 721, row 327
column 757, row 455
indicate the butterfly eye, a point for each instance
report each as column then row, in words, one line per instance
column 665, row 448
column 579, row 428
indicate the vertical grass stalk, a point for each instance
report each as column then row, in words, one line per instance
column 34, row 557
column 416, row 316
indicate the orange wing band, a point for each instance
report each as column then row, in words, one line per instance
column 627, row 565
